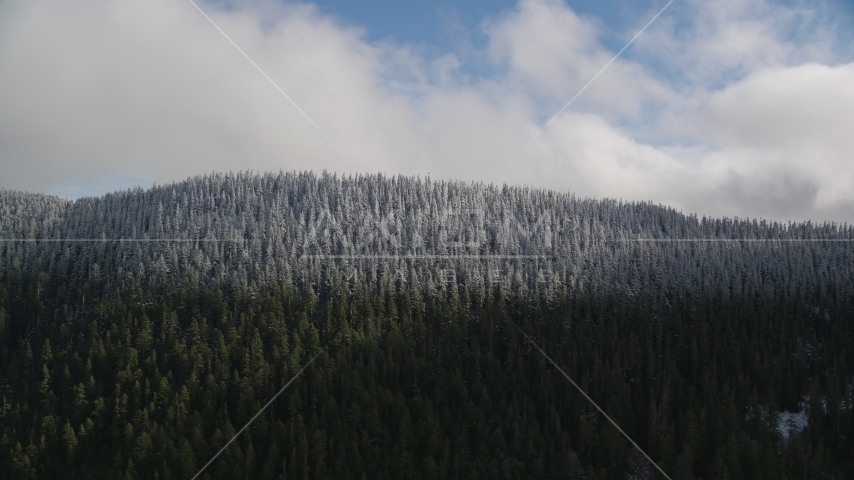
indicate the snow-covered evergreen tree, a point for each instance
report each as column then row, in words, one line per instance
column 257, row 230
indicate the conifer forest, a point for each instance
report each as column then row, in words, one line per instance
column 141, row 330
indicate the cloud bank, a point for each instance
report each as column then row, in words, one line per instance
column 721, row 108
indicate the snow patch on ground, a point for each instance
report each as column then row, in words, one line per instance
column 791, row 422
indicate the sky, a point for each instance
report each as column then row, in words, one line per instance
column 724, row 108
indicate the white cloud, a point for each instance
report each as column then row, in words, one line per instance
column 800, row 115
column 547, row 45
column 713, row 44
column 101, row 93
column 782, row 148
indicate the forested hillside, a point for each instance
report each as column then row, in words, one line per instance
column 142, row 329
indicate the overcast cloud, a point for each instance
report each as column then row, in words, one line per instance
column 731, row 107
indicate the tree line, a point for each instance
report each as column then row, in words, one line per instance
column 140, row 330
column 410, row 385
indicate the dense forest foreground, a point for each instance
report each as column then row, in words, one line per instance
column 141, row 330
